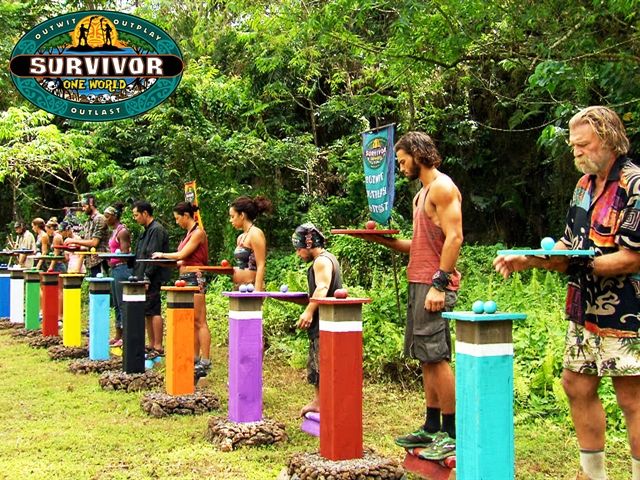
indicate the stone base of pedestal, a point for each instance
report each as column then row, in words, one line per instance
column 23, row 333
column 371, row 466
column 85, row 365
column 159, row 404
column 6, row 324
column 60, row 352
column 40, row 341
column 229, row 436
column 131, row 382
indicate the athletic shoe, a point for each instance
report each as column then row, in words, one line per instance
column 440, row 448
column 419, row 438
column 202, row 368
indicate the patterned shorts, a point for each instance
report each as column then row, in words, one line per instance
column 588, row 353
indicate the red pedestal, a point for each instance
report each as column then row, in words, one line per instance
column 341, row 395
column 50, row 303
column 341, row 377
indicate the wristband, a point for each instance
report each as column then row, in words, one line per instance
column 440, row 280
column 579, row 266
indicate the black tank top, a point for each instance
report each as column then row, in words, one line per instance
column 336, row 283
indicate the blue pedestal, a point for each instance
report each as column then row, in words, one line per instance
column 484, row 395
column 5, row 292
column 99, row 310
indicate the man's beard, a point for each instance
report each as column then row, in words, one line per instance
column 587, row 166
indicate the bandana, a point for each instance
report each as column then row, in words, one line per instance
column 307, row 235
column 111, row 211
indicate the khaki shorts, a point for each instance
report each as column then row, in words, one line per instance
column 588, row 353
column 427, row 337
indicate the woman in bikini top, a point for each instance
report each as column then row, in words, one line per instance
column 251, row 246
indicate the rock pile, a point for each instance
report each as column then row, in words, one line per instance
column 24, row 333
column 162, row 404
column 131, row 382
column 229, row 436
column 85, row 365
column 6, row 324
column 307, row 466
column 60, row 352
column 44, row 342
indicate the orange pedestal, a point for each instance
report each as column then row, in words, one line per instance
column 180, row 341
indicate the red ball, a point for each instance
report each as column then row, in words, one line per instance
column 224, row 263
column 180, row 283
column 341, row 293
column 371, row 225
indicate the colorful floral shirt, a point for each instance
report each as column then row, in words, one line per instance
column 607, row 306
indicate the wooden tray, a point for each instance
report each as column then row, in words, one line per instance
column 363, row 231
column 217, row 269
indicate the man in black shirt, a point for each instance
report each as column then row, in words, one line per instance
column 154, row 239
column 324, row 277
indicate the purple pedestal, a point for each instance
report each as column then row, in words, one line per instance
column 311, row 424
column 245, row 357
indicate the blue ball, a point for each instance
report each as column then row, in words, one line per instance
column 547, row 243
column 250, row 287
column 490, row 306
column 478, row 306
column 242, row 288
column 148, row 364
column 284, row 288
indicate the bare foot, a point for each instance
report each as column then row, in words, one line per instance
column 313, row 406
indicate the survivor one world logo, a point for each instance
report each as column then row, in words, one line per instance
column 96, row 66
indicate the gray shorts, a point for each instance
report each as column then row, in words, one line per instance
column 313, row 362
column 427, row 337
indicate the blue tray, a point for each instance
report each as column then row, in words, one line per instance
column 542, row 252
column 483, row 317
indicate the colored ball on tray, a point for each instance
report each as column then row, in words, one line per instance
column 284, row 288
column 93, row 250
column 224, row 263
column 118, row 251
column 242, row 288
column 180, row 283
column 341, row 293
column 99, row 275
column 371, row 225
column 133, row 278
column 490, row 307
column 478, row 306
column 250, row 287
column 547, row 243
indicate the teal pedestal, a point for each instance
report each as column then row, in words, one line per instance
column 484, row 395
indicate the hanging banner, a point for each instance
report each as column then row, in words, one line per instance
column 378, row 157
column 191, row 196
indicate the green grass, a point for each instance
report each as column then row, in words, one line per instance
column 57, row 425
